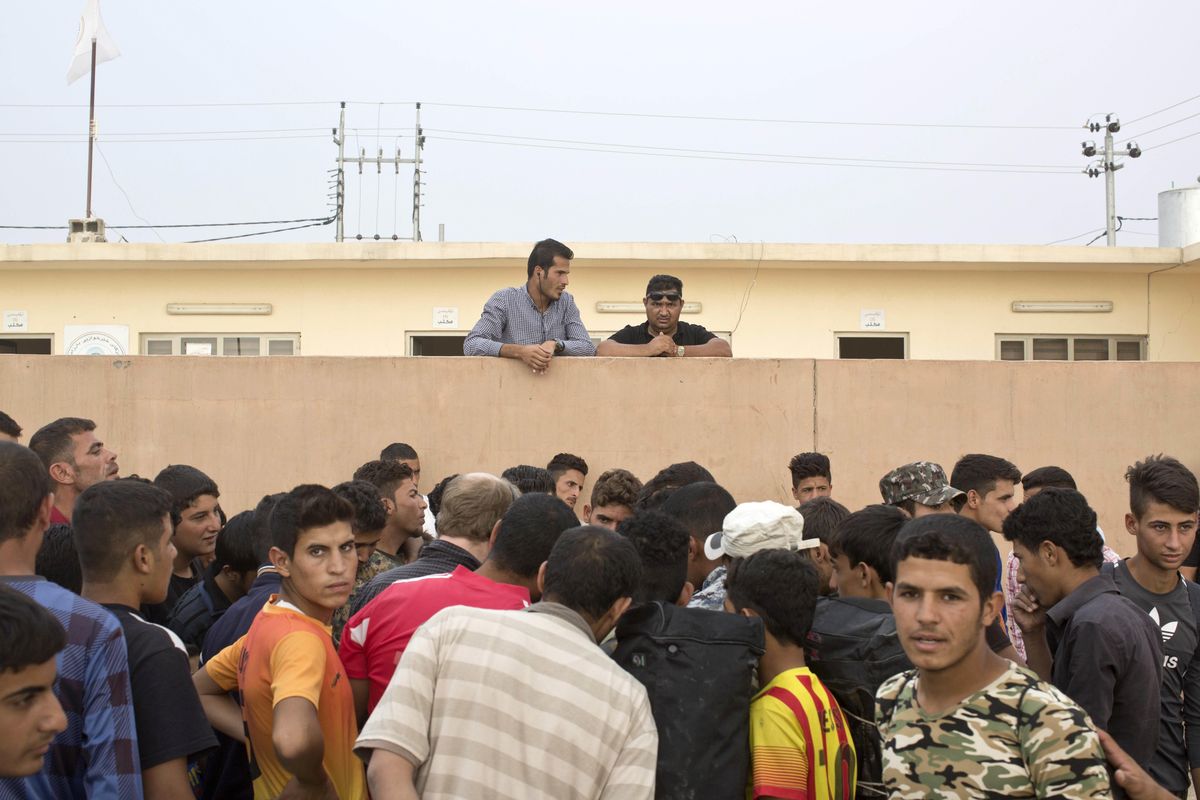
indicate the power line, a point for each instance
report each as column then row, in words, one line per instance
column 325, row 221
column 174, row 105
column 1161, row 110
column 80, row 139
column 761, row 120
column 1169, row 124
column 1173, row 141
column 756, row 160
column 757, row 155
column 174, row 225
column 1076, row 236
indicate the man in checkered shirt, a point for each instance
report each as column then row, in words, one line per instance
column 96, row 756
column 537, row 321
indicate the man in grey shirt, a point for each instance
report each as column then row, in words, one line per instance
column 1094, row 645
column 537, row 321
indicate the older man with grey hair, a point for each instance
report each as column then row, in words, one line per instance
column 472, row 506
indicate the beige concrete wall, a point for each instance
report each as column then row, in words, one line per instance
column 260, row 425
column 790, row 312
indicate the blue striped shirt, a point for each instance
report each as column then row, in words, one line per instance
column 510, row 317
column 96, row 756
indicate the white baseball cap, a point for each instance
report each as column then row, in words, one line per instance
column 758, row 526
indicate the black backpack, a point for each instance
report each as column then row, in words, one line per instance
column 853, row 649
column 699, row 668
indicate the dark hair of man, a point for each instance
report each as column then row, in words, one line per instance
column 1047, row 478
column 52, row 442
column 398, row 451
column 867, row 536
column 953, row 538
column 544, row 253
column 822, row 515
column 662, row 544
column 186, row 485
column 615, row 487
column 235, row 544
column 668, row 479
column 9, row 426
column 980, row 472
column 528, row 532
column 471, row 506
column 434, row 498
column 58, row 560
column 1162, row 479
column 529, row 479
column 369, row 513
column 809, row 465
column 590, row 568
column 262, row 526
column 664, row 283
column 563, row 462
column 111, row 519
column 24, row 484
column 31, row 634
column 778, row 585
column 385, row 476
column 700, row 507
column 1061, row 516
column 307, row 506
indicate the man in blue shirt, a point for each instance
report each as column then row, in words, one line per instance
column 535, row 322
column 97, row 754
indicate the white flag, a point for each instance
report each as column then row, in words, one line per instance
column 91, row 27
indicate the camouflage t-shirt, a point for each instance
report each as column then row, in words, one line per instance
column 1018, row 737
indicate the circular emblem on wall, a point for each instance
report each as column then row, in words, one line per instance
column 95, row 343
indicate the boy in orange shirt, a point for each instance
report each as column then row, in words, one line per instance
column 297, row 708
column 800, row 746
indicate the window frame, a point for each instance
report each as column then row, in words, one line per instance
column 176, row 339
column 839, row 335
column 1114, row 339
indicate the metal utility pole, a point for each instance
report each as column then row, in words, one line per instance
column 1108, row 167
column 378, row 160
column 91, row 130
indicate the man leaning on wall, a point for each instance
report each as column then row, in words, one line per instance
column 536, row 322
column 662, row 334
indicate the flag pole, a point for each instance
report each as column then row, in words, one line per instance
column 91, row 130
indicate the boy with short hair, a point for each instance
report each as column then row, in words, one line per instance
column 853, row 646
column 297, row 707
column 123, row 532
column 811, row 476
column 30, row 714
column 197, row 519
column 822, row 515
column 1163, row 503
column 800, row 745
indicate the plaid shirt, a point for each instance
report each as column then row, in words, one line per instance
column 96, row 756
column 510, row 317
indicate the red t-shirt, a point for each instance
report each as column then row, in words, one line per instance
column 374, row 638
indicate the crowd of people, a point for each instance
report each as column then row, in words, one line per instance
column 525, row 635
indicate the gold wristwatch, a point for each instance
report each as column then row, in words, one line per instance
column 679, row 351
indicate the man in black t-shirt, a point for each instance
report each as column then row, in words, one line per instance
column 124, row 535
column 1163, row 501
column 662, row 334
column 196, row 515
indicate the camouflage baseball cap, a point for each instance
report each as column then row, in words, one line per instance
column 922, row 481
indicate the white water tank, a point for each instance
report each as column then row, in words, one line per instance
column 1179, row 217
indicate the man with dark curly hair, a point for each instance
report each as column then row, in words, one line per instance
column 613, row 497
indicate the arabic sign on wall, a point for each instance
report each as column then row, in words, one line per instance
column 96, row 340
column 872, row 319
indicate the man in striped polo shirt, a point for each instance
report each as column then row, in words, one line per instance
column 521, row 704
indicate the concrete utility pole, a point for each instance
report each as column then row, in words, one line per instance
column 339, row 138
column 1108, row 167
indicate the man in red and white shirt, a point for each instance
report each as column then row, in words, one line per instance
column 375, row 638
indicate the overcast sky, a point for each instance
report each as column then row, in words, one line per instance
column 1020, row 63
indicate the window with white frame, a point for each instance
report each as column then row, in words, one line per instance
column 220, row 344
column 1069, row 347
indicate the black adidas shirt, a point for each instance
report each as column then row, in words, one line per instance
column 1179, row 727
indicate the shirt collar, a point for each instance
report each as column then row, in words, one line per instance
column 717, row 574
column 1090, row 589
column 569, row 615
column 532, row 304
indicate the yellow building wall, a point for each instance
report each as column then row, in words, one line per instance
column 788, row 312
